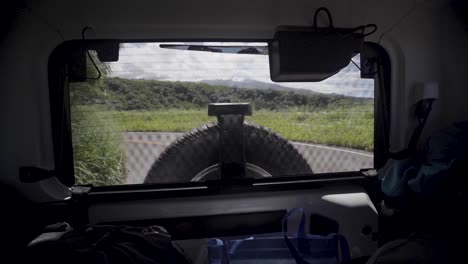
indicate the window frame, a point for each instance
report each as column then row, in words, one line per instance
column 61, row 118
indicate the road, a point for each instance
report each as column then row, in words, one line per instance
column 144, row 147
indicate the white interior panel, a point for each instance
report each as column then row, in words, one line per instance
column 425, row 40
column 348, row 205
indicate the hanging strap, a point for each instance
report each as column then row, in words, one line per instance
column 301, row 227
column 330, row 19
column 344, row 247
column 423, row 109
column 303, row 244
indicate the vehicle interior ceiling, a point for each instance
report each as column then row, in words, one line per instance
column 421, row 46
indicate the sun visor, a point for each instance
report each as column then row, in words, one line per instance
column 311, row 54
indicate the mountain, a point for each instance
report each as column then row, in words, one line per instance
column 254, row 84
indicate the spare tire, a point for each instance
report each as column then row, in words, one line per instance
column 199, row 149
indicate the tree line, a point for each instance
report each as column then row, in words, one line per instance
column 130, row 94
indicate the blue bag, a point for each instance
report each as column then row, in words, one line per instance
column 299, row 249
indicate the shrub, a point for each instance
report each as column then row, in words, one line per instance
column 302, row 116
column 99, row 157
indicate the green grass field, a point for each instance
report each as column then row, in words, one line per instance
column 350, row 127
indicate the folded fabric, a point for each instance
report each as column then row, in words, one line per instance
column 426, row 173
column 395, row 176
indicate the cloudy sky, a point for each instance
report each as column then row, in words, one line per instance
column 149, row 61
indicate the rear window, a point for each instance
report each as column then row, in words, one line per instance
column 146, row 119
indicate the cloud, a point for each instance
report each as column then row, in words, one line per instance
column 149, row 61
